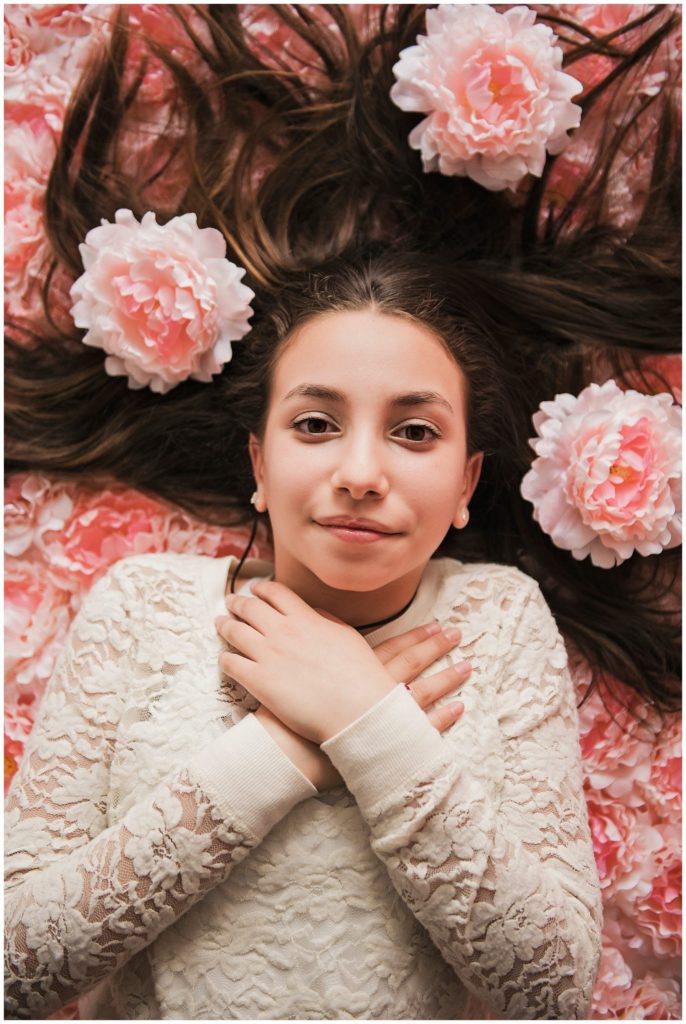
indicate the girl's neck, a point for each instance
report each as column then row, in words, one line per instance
column 363, row 609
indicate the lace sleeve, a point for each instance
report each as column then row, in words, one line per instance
column 81, row 897
column 488, row 841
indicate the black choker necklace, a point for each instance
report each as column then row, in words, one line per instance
column 382, row 622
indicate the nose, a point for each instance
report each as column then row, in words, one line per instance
column 359, row 468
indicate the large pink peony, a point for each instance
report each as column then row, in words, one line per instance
column 103, row 527
column 162, row 300
column 37, row 617
column 494, row 91
column 34, row 505
column 606, row 481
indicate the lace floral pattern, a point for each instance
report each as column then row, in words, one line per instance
column 447, row 865
column 83, row 897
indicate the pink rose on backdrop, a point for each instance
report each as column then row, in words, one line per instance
column 17, row 49
column 658, row 914
column 616, row 749
column 161, row 300
column 618, row 995
column 493, row 87
column 612, row 984
column 37, row 616
column 654, row 998
column 30, row 148
column 275, row 43
column 56, row 40
column 606, row 481
column 18, row 725
column 603, row 18
column 158, row 22
column 184, row 532
column 34, row 505
column 662, row 790
column 625, row 845
column 658, row 373
column 102, row 528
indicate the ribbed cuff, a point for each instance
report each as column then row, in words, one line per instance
column 384, row 749
column 250, row 776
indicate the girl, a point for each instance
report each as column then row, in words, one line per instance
column 331, row 850
column 349, row 861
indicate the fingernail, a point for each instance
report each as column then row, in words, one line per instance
column 452, row 634
column 433, row 628
column 462, row 667
column 457, row 707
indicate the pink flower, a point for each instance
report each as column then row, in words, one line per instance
column 18, row 725
column 102, row 528
column 654, row 999
column 624, row 844
column 616, row 749
column 17, row 49
column 37, row 617
column 612, row 984
column 56, row 40
column 29, row 153
column 658, row 373
column 606, row 480
column 662, row 790
column 618, row 994
column 185, row 533
column 14, row 750
column 659, row 912
column 603, row 18
column 494, row 91
column 162, row 301
column 33, row 506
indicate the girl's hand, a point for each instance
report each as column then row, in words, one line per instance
column 311, row 671
column 413, row 652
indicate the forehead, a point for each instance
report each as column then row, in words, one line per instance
column 367, row 353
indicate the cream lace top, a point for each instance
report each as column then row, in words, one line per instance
column 166, row 857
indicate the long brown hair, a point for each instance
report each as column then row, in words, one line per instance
column 307, row 173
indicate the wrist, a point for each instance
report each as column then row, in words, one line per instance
column 356, row 704
column 304, row 754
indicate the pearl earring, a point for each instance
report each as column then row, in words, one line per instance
column 464, row 516
column 257, row 501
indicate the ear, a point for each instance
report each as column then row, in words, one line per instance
column 255, row 450
column 472, row 472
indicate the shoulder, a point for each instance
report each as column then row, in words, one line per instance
column 147, row 579
column 145, row 569
column 500, row 588
column 500, row 601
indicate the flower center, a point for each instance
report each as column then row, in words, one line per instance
column 623, row 472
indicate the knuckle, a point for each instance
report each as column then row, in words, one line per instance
column 420, row 691
column 411, row 661
column 449, row 637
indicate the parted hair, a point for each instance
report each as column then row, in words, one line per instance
column 312, row 183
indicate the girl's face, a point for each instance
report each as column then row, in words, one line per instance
column 366, row 420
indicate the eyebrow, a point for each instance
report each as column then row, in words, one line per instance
column 410, row 399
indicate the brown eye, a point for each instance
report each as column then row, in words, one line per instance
column 315, row 425
column 419, row 432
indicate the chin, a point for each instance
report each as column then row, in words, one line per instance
column 362, row 577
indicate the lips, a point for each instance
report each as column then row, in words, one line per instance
column 350, row 523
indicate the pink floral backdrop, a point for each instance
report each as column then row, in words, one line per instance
column 60, row 537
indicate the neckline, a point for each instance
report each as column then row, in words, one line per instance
column 420, row 609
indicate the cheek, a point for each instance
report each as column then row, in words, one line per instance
column 289, row 473
column 438, row 481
